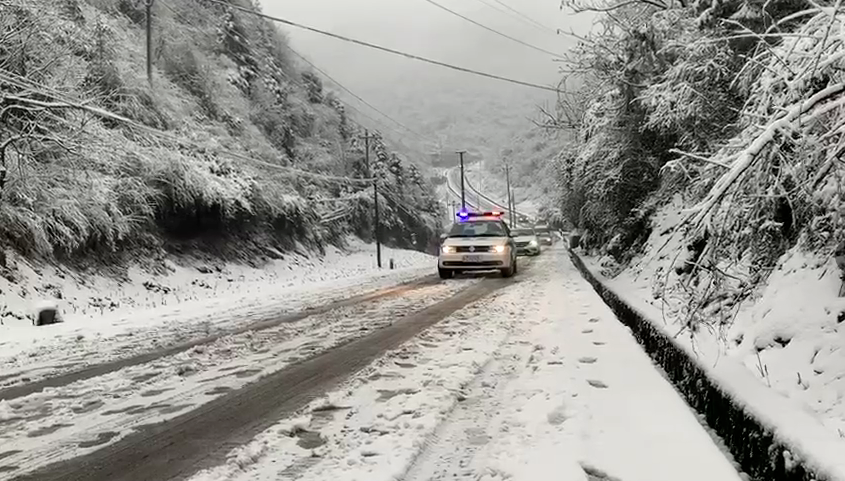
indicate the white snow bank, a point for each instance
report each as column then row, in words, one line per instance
column 105, row 317
column 788, row 337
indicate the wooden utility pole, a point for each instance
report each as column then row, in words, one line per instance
column 149, row 5
column 510, row 199
column 463, row 197
column 376, row 224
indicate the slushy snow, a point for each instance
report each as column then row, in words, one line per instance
column 537, row 382
column 106, row 319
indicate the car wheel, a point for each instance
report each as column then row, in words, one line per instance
column 509, row 272
column 445, row 273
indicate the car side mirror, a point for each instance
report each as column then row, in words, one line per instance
column 443, row 237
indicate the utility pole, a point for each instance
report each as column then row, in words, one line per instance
column 149, row 5
column 510, row 204
column 463, row 197
column 513, row 208
column 376, row 224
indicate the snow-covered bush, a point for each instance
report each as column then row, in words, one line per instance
column 96, row 160
column 738, row 106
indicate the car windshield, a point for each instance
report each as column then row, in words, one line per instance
column 522, row 232
column 477, row 229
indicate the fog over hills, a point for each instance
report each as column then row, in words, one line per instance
column 448, row 108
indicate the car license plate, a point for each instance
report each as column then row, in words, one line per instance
column 472, row 258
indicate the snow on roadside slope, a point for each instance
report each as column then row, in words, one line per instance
column 512, row 387
column 191, row 300
column 784, row 353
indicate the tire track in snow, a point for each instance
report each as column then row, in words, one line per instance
column 463, row 446
column 97, row 370
column 201, row 437
column 67, row 420
column 448, row 452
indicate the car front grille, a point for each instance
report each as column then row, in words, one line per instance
column 522, row 244
column 472, row 264
column 474, row 249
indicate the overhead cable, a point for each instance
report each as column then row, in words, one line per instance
column 489, row 29
column 302, row 57
column 61, row 101
column 389, row 50
column 526, row 17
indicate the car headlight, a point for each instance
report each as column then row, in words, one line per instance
column 448, row 249
column 533, row 242
column 499, row 249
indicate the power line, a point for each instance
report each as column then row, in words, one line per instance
column 389, row 50
column 526, row 17
column 299, row 84
column 302, row 57
column 65, row 102
column 346, row 105
column 503, row 12
column 485, row 27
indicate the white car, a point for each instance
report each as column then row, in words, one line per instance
column 477, row 242
column 527, row 242
column 544, row 234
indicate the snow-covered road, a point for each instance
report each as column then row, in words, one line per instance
column 530, row 378
column 537, row 381
column 60, row 423
column 29, row 354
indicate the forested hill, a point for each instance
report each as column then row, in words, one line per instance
column 234, row 145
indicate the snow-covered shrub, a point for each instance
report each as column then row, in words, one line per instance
column 775, row 180
column 81, row 180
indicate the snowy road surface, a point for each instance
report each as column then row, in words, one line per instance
column 483, row 379
column 195, row 304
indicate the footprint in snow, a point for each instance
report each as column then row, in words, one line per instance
column 594, row 319
column 102, row 438
column 595, row 474
column 587, row 360
column 599, row 343
column 597, row 384
column 586, row 331
column 557, row 416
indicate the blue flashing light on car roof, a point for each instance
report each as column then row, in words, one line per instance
column 464, row 215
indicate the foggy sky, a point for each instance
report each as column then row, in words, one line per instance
column 413, row 92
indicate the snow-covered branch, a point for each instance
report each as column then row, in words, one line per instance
column 699, row 216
